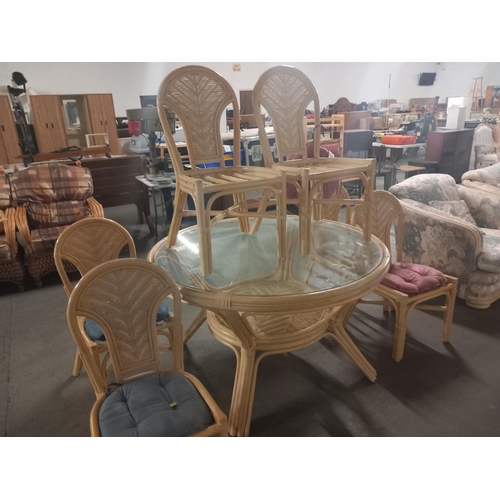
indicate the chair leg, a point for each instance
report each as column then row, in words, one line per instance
column 243, row 222
column 77, row 366
column 175, row 225
column 402, row 313
column 304, row 214
column 450, row 308
column 204, row 237
column 263, row 204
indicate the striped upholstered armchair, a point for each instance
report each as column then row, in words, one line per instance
column 11, row 267
column 48, row 198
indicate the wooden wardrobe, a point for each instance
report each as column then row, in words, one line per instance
column 9, row 140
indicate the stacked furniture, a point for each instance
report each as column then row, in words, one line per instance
column 455, row 229
column 48, row 198
column 11, row 267
column 486, row 150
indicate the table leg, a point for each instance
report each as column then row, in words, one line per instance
column 340, row 335
column 153, row 190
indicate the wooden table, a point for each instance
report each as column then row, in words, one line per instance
column 260, row 305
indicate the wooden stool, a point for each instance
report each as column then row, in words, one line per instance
column 410, row 170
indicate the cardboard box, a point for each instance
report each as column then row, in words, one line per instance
column 378, row 123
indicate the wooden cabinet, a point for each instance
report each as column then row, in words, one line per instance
column 451, row 149
column 48, row 120
column 102, row 119
column 9, row 140
column 96, row 116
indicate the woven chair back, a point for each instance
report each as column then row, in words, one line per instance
column 198, row 96
column 385, row 210
column 286, row 93
column 89, row 243
column 123, row 297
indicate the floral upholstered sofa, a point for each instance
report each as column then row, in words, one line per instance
column 455, row 229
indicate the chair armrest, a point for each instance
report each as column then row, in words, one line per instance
column 23, row 227
column 9, row 227
column 95, row 208
column 433, row 238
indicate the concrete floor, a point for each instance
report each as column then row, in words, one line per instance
column 436, row 390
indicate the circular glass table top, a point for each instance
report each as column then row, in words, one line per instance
column 246, row 264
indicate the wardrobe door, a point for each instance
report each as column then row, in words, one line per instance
column 48, row 120
column 108, row 113
column 8, row 134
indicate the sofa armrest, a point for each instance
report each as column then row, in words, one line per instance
column 9, row 228
column 23, row 228
column 434, row 238
column 95, row 208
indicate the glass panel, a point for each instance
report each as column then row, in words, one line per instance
column 248, row 264
column 71, row 115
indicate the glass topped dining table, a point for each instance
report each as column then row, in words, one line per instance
column 259, row 304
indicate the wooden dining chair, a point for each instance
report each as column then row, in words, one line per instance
column 199, row 97
column 87, row 244
column 407, row 285
column 123, row 297
column 285, row 93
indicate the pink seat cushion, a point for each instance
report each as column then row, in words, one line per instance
column 410, row 278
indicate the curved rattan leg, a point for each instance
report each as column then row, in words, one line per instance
column 450, row 308
column 263, row 204
column 195, row 325
column 243, row 222
column 175, row 225
column 305, row 214
column 77, row 366
column 341, row 336
column 240, row 412
column 402, row 312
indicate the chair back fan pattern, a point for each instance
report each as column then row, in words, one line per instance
column 285, row 93
column 89, row 243
column 385, row 210
column 198, row 96
column 123, row 297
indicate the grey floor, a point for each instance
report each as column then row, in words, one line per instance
column 436, row 390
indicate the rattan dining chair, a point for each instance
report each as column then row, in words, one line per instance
column 199, row 96
column 123, row 297
column 407, row 285
column 86, row 244
column 285, row 93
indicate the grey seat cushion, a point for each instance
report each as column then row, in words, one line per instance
column 141, row 408
column 427, row 187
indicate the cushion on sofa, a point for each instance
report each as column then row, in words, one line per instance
column 44, row 239
column 56, row 213
column 5, row 197
column 456, row 208
column 94, row 331
column 484, row 206
column 489, row 260
column 411, row 278
column 425, row 188
column 142, row 408
column 488, row 175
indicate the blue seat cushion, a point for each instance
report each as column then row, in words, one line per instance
column 94, row 331
column 141, row 408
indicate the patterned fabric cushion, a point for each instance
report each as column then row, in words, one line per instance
column 427, row 187
column 53, row 193
column 488, row 175
column 144, row 408
column 4, row 249
column 44, row 239
column 410, row 278
column 456, row 208
column 56, row 213
column 483, row 206
column 5, row 197
column 489, row 260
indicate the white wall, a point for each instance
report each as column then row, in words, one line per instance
column 356, row 81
